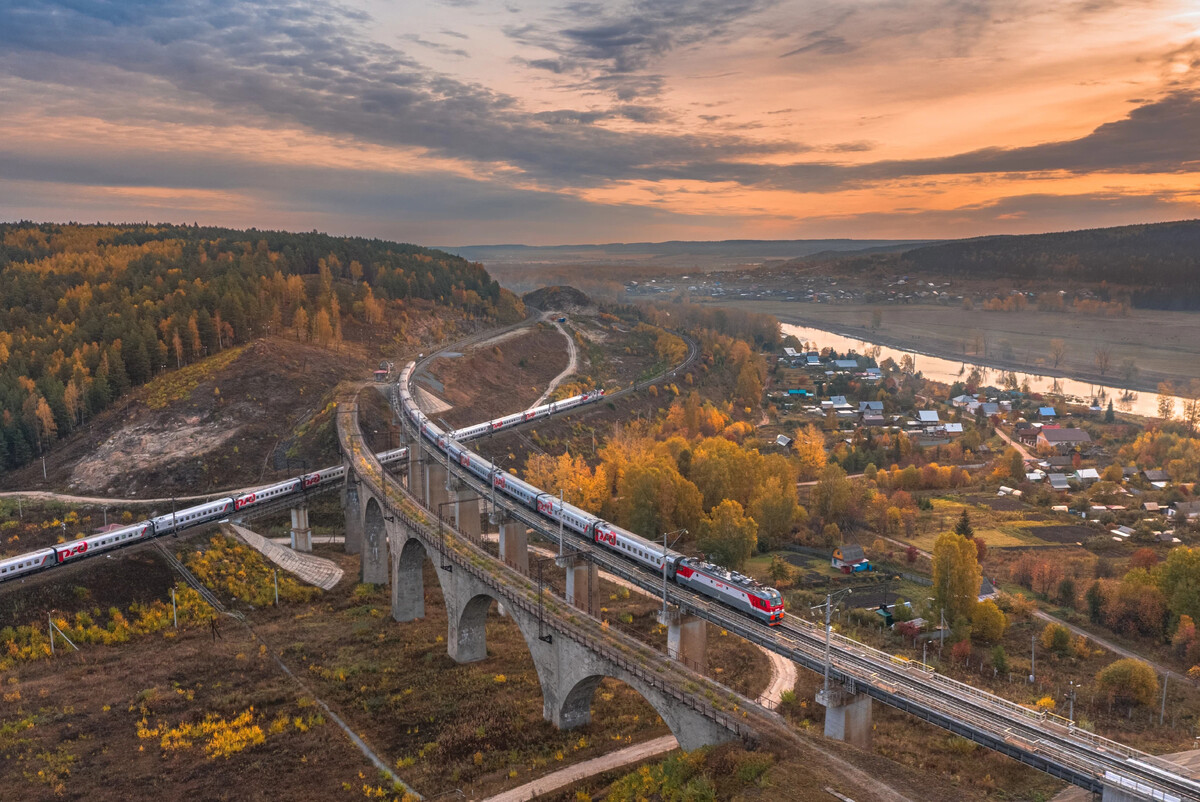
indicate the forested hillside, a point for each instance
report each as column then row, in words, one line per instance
column 1160, row 263
column 89, row 312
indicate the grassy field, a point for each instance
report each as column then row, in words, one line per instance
column 1164, row 345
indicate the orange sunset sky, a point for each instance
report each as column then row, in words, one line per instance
column 484, row 121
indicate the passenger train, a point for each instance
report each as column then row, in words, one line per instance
column 729, row 587
column 218, row 509
column 42, row 559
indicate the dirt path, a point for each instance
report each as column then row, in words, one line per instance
column 46, row 495
column 1112, row 647
column 572, row 365
column 588, row 768
column 1020, row 448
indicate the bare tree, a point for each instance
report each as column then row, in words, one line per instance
column 1166, row 402
column 1058, row 349
column 1103, row 359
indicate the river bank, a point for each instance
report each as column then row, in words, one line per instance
column 1161, row 345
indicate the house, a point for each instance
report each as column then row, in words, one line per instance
column 990, row 408
column 1035, row 476
column 783, row 440
column 812, row 360
column 848, row 556
column 791, row 353
column 1026, row 432
column 846, row 364
column 953, row 428
column 1158, row 478
column 928, row 416
column 1087, row 476
column 1058, row 481
column 873, row 419
column 1151, row 506
column 987, row 589
column 962, row 401
column 839, row 402
column 874, row 406
column 1047, row 412
column 1122, row 531
column 873, row 374
column 1062, row 439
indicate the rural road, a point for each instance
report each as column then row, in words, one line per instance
column 572, row 362
column 46, row 495
column 581, row 771
column 1020, row 448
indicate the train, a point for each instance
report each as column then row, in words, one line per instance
column 742, row 593
column 32, row 562
column 208, row 511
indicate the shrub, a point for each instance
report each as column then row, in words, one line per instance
column 1128, row 681
column 1057, row 638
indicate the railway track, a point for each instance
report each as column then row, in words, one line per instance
column 1047, row 742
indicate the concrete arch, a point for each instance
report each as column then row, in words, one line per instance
column 374, row 546
column 468, row 629
column 691, row 729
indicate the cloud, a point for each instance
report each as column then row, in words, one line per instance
column 611, row 49
column 438, row 46
column 307, row 63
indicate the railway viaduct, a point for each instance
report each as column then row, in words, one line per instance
column 572, row 652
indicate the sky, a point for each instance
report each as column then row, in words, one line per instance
column 456, row 122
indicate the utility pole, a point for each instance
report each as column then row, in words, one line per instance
column 1071, row 713
column 1163, row 710
column 1033, row 658
column 680, row 533
column 828, row 628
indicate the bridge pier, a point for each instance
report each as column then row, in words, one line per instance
column 847, row 716
column 687, row 639
column 374, row 557
column 435, row 485
column 352, row 507
column 514, row 544
column 301, row 531
column 466, row 513
column 583, row 582
column 416, row 468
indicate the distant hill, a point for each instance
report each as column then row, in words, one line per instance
column 1159, row 262
column 674, row 253
column 565, row 299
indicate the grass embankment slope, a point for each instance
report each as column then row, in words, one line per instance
column 1164, row 345
column 211, row 425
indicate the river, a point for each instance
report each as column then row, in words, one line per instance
column 950, row 371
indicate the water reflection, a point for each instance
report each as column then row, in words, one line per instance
column 950, row 371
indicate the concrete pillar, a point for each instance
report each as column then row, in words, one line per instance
column 416, row 470
column 373, row 560
column 352, row 508
column 848, row 717
column 301, row 531
column 583, row 583
column 408, row 581
column 514, row 544
column 687, row 639
column 466, row 513
column 435, row 485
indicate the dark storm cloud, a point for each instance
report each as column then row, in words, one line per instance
column 610, row 48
